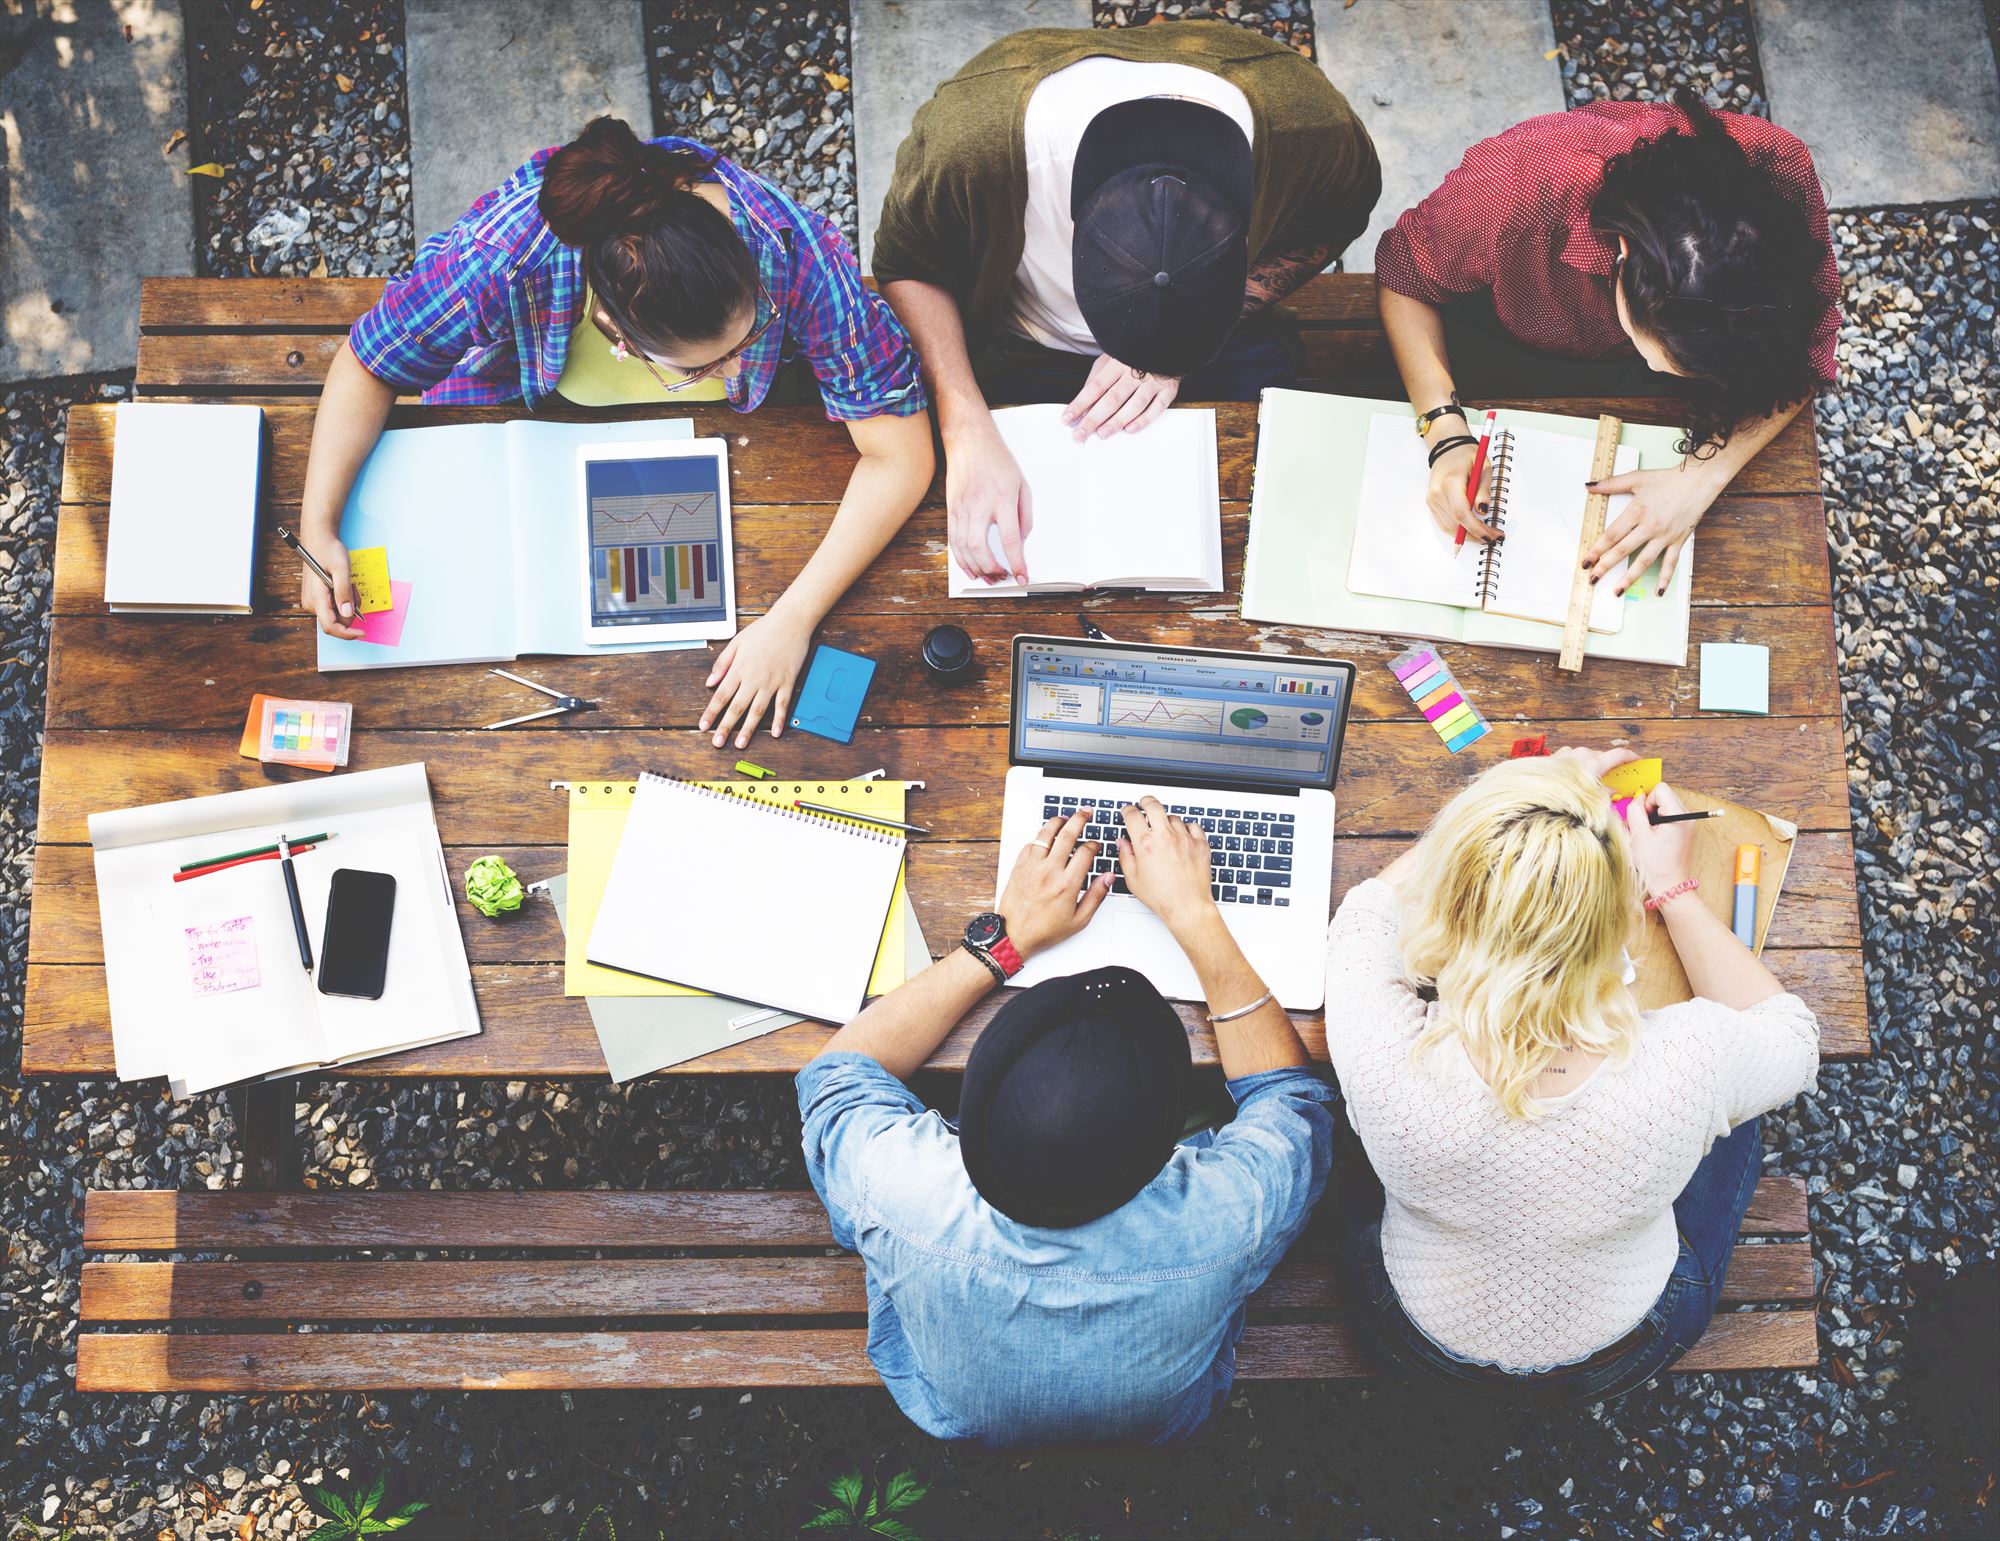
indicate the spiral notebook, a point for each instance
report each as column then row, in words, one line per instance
column 767, row 904
column 1537, row 494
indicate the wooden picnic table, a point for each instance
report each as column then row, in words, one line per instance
column 146, row 708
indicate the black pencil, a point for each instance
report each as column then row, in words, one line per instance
column 1682, row 818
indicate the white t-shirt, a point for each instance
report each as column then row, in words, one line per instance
column 1042, row 303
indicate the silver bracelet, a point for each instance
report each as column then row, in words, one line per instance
column 1241, row 1011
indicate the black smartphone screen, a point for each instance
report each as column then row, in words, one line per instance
column 354, row 951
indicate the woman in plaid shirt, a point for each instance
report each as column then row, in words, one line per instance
column 699, row 279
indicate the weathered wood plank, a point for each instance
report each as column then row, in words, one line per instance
column 491, row 788
column 948, row 882
column 100, row 678
column 1754, row 551
column 692, row 1288
column 795, row 455
column 525, row 1361
column 532, row 1029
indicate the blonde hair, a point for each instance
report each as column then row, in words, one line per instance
column 1518, row 910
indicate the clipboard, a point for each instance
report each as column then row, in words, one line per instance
column 1662, row 981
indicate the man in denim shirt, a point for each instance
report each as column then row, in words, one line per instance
column 1059, row 1269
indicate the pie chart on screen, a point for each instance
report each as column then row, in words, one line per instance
column 1249, row 718
column 1312, row 719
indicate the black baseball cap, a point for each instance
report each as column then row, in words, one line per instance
column 1161, row 193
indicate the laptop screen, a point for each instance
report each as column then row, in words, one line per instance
column 1188, row 713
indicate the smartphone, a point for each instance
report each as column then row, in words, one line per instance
column 354, row 949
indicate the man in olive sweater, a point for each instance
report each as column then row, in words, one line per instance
column 1101, row 218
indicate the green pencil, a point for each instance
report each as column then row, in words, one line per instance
column 262, row 850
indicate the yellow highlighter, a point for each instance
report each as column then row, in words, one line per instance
column 1743, row 918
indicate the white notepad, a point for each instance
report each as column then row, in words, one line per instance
column 772, row 905
column 183, row 535
column 1538, row 499
column 1134, row 511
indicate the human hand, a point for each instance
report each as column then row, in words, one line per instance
column 984, row 490
column 757, row 670
column 1449, row 500
column 1662, row 853
column 336, row 608
column 1165, row 861
column 1116, row 396
column 1666, row 506
column 1599, row 762
column 1050, row 894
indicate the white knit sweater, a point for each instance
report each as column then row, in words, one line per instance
column 1534, row 1243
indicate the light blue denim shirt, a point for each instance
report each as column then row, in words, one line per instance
column 1122, row 1329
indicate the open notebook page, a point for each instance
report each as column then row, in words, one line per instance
column 1544, row 526
column 1399, row 551
column 1134, row 510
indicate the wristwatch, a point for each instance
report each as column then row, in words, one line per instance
column 987, row 940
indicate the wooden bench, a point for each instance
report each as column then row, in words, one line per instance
column 750, row 1295
column 737, row 1288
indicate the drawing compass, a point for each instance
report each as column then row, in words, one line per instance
column 564, row 703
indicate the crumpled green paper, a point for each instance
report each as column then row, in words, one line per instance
column 492, row 887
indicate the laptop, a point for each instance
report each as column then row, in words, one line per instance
column 1248, row 744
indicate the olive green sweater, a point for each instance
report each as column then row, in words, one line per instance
column 954, row 212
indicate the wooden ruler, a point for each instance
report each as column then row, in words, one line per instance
column 1576, row 625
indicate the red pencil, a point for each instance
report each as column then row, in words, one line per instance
column 1478, row 470
column 202, row 872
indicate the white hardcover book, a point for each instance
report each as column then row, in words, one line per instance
column 183, row 527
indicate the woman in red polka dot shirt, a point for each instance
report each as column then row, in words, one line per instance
column 1663, row 235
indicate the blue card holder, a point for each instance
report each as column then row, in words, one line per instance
column 829, row 702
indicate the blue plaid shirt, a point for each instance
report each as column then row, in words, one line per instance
column 486, row 313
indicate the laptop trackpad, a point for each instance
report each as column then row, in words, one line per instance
column 1135, row 938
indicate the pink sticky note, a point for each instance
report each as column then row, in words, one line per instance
column 386, row 626
column 223, row 956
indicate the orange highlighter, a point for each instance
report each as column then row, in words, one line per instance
column 1743, row 917
column 1478, row 470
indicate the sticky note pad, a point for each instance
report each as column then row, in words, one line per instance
column 1429, row 682
column 386, row 626
column 829, row 702
column 1634, row 779
column 1736, row 677
column 369, row 568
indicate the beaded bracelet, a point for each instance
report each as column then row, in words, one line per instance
column 1444, row 447
column 1684, row 886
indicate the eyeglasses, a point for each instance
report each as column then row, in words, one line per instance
column 623, row 347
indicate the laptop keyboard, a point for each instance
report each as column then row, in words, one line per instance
column 1250, row 853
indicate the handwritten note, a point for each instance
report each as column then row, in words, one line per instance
column 222, row 956
column 369, row 568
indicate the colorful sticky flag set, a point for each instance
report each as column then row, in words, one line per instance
column 1429, row 681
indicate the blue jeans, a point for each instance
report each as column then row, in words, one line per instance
column 1262, row 351
column 1708, row 1213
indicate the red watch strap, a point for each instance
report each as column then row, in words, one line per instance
column 1007, row 955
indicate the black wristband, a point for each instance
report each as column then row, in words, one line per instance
column 1444, row 447
column 992, row 963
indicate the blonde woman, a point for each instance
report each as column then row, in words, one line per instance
column 1561, row 1175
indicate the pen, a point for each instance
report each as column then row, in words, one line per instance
column 1743, row 918
column 865, row 818
column 292, row 896
column 1478, row 470
column 311, row 561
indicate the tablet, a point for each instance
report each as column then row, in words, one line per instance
column 657, row 555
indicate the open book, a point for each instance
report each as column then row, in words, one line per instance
column 1340, row 535
column 203, row 976
column 485, row 536
column 1537, row 497
column 1134, row 511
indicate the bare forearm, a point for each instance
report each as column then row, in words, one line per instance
column 1719, row 967
column 903, row 1029
column 887, row 483
column 1272, row 278
column 930, row 315
column 1265, row 1039
column 353, row 406
column 1741, row 447
column 1416, row 338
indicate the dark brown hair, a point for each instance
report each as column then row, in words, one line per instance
column 667, row 264
column 1720, row 269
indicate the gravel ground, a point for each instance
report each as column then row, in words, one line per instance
column 1643, row 50
column 1289, row 21
column 302, row 103
column 1893, row 1435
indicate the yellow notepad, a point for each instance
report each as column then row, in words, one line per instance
column 369, row 571
column 597, row 812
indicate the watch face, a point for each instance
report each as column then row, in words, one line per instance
column 985, row 930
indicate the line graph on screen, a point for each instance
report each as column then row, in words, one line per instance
column 654, row 519
column 1146, row 709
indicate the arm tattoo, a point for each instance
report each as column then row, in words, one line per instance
column 1271, row 278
